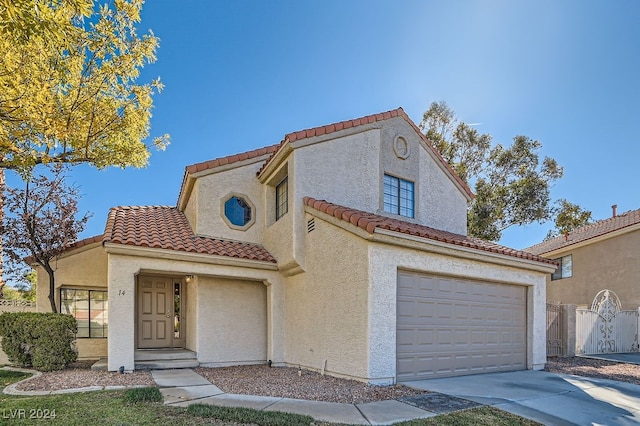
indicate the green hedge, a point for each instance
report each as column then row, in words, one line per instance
column 43, row 341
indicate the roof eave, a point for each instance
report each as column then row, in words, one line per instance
column 168, row 254
column 275, row 161
column 430, row 245
column 434, row 246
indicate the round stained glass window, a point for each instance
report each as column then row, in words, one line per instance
column 237, row 211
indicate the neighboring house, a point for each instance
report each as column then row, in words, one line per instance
column 598, row 256
column 378, row 283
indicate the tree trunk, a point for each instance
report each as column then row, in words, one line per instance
column 52, row 286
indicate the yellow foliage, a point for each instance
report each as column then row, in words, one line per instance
column 69, row 91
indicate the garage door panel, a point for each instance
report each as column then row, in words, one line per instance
column 449, row 327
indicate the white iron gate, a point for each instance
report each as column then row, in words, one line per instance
column 605, row 328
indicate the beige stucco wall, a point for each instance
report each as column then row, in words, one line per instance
column 344, row 170
column 347, row 168
column 326, row 315
column 232, row 315
column 384, row 262
column 213, row 188
column 85, row 268
column 438, row 202
column 278, row 235
column 125, row 263
column 612, row 264
column 349, row 171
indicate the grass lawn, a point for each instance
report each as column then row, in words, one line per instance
column 137, row 407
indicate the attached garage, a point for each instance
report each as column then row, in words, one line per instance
column 449, row 326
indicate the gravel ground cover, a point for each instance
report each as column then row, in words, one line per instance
column 286, row 382
column 596, row 368
column 80, row 375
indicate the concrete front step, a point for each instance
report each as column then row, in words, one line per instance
column 158, row 359
column 166, row 364
column 163, row 354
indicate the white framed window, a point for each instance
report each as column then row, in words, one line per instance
column 399, row 196
column 89, row 308
column 282, row 198
column 565, row 269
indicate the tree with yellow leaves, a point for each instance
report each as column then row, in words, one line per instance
column 68, row 85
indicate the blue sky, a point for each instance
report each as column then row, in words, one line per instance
column 239, row 75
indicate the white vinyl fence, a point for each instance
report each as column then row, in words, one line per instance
column 605, row 327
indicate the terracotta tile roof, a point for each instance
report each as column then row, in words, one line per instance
column 76, row 245
column 211, row 164
column 167, row 228
column 221, row 161
column 588, row 232
column 85, row 242
column 370, row 222
column 334, row 127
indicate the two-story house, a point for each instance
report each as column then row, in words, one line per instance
column 341, row 249
column 598, row 256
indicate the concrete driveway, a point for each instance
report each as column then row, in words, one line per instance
column 551, row 399
column 628, row 357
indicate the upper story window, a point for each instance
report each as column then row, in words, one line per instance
column 282, row 198
column 238, row 211
column 565, row 270
column 89, row 308
column 398, row 196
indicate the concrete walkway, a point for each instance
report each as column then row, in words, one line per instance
column 553, row 399
column 185, row 387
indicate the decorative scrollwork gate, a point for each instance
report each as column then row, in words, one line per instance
column 555, row 335
column 605, row 327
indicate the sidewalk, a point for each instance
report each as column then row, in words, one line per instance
column 185, row 387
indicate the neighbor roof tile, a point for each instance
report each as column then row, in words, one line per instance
column 370, row 222
column 167, row 228
column 587, row 232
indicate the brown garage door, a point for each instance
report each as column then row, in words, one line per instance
column 451, row 327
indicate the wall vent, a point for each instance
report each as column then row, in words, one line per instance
column 311, row 225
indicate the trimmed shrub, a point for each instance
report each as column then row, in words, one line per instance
column 43, row 341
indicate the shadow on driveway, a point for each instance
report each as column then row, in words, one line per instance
column 548, row 398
